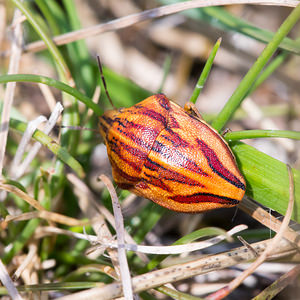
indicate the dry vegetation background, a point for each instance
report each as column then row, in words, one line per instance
column 140, row 52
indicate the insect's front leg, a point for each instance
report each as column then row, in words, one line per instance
column 192, row 109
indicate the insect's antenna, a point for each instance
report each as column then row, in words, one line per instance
column 103, row 81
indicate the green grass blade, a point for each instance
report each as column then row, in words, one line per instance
column 229, row 21
column 220, row 18
column 57, row 57
column 166, row 68
column 204, row 74
column 268, row 71
column 147, row 220
column 15, row 183
column 55, row 83
column 175, row 294
column 70, row 116
column 253, row 134
column 249, row 79
column 80, row 58
column 21, row 240
column 49, row 14
column 56, row 286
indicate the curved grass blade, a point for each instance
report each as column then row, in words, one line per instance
column 55, row 83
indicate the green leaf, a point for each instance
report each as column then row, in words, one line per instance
column 267, row 179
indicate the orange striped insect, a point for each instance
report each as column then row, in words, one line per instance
column 168, row 154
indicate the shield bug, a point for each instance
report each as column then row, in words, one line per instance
column 168, row 154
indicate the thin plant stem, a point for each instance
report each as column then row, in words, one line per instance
column 253, row 134
column 237, row 97
column 204, row 74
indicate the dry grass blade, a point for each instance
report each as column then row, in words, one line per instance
column 2, row 23
column 270, row 248
column 41, row 213
column 178, row 249
column 8, row 283
column 13, row 68
column 277, row 286
column 22, row 195
column 96, row 96
column 91, row 207
column 183, row 271
column 92, row 210
column 49, row 230
column 18, row 169
column 120, row 230
column 32, row 252
column 266, row 219
column 246, row 244
column 48, row 95
column 147, row 15
column 32, row 126
column 49, row 216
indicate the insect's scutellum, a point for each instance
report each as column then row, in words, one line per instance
column 103, row 81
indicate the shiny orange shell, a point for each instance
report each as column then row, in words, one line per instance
column 161, row 152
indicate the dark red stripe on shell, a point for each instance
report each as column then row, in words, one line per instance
column 105, row 123
column 132, row 125
column 182, row 161
column 217, row 166
column 175, row 138
column 141, row 142
column 154, row 115
column 157, row 182
column 163, row 101
column 204, row 197
column 134, row 151
column 126, row 176
column 107, row 120
column 172, row 122
column 142, row 185
column 115, row 147
column 170, row 175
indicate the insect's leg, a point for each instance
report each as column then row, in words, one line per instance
column 226, row 130
column 192, row 109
